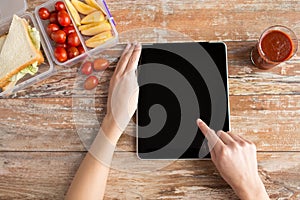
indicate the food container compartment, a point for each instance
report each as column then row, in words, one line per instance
column 46, row 69
column 88, row 51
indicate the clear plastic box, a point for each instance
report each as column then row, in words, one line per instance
column 88, row 51
column 46, row 69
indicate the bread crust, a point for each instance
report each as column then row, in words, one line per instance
column 39, row 58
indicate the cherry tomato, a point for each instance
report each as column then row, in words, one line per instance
column 59, row 36
column 87, row 68
column 91, row 82
column 53, row 18
column 44, row 13
column 72, row 52
column 69, row 29
column 60, row 54
column 80, row 49
column 64, row 45
column 73, row 40
column 51, row 28
column 100, row 64
column 60, row 6
column 63, row 18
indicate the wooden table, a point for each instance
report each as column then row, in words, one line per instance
column 40, row 150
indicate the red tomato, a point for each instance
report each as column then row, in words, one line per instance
column 51, row 28
column 60, row 6
column 69, row 29
column 80, row 49
column 100, row 64
column 59, row 36
column 44, row 13
column 64, row 45
column 87, row 68
column 91, row 82
column 53, row 18
column 63, row 18
column 73, row 40
column 72, row 52
column 60, row 54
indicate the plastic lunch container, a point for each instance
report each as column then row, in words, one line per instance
column 10, row 7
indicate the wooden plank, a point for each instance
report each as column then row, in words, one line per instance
column 244, row 78
column 55, row 124
column 206, row 20
column 28, row 176
column 270, row 121
column 50, row 124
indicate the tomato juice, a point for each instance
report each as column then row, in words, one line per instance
column 274, row 46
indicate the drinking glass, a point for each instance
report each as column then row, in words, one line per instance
column 276, row 45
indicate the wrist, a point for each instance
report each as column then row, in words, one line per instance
column 102, row 148
column 255, row 192
column 111, row 129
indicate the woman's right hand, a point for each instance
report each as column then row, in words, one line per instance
column 235, row 159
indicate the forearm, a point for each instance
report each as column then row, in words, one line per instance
column 91, row 177
column 89, row 181
column 254, row 192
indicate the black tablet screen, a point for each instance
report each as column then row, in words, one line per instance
column 180, row 82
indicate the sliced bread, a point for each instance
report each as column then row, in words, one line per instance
column 18, row 51
column 2, row 39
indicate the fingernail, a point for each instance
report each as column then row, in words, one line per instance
column 199, row 121
column 138, row 46
column 134, row 43
column 127, row 46
column 219, row 132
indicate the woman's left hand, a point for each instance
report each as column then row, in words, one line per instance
column 123, row 91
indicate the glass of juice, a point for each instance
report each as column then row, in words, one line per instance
column 276, row 44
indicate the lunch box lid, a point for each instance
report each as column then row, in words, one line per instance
column 10, row 7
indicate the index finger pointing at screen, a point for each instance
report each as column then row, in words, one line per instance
column 213, row 140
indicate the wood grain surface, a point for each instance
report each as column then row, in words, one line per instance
column 28, row 176
column 272, row 122
column 44, row 128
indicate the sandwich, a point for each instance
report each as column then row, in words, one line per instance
column 2, row 39
column 19, row 53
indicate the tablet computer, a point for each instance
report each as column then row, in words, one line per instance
column 180, row 82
